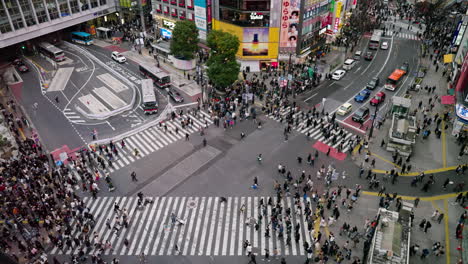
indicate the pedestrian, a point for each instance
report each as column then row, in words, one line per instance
column 440, row 217
column 133, row 175
column 187, row 136
column 328, row 151
column 57, row 99
column 373, row 163
column 416, row 202
column 253, row 259
column 427, row 226
column 267, row 254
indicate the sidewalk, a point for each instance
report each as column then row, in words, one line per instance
column 428, row 154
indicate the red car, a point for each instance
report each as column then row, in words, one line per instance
column 378, row 98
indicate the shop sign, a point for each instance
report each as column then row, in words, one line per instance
column 462, row 111
column 168, row 24
column 289, row 23
column 256, row 16
column 337, row 23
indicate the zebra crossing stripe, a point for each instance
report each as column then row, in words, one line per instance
column 154, row 226
column 212, row 227
column 141, row 147
column 146, row 227
column 161, row 226
column 286, row 249
column 199, row 220
column 220, row 225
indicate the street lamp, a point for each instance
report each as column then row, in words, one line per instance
column 371, row 131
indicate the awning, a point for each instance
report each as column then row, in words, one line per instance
column 103, row 29
column 448, row 100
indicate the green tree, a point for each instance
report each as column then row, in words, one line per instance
column 223, row 69
column 184, row 42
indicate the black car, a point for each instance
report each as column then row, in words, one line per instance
column 361, row 114
column 369, row 55
column 175, row 96
column 405, row 67
column 372, row 84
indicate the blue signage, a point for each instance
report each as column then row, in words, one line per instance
column 167, row 34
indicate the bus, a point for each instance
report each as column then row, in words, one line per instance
column 374, row 41
column 393, row 81
column 160, row 78
column 82, row 38
column 51, row 51
column 150, row 104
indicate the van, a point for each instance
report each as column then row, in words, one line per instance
column 349, row 64
column 357, row 55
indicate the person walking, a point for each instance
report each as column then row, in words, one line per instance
column 267, row 254
column 253, row 259
column 133, row 175
column 416, row 202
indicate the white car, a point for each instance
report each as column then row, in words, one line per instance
column 337, row 75
column 344, row 109
column 118, row 57
column 384, row 45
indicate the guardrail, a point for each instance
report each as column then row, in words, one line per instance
column 164, row 114
column 115, row 73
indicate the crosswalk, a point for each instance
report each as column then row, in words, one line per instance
column 344, row 140
column 156, row 138
column 73, row 116
column 211, row 227
column 403, row 35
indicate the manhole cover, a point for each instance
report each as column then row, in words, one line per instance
column 192, row 203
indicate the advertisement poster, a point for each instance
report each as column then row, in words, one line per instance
column 200, row 18
column 289, row 23
column 255, row 42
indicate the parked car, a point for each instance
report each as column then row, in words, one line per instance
column 378, row 98
column 349, row 64
column 20, row 66
column 361, row 114
column 369, row 55
column 384, row 45
column 118, row 57
column 362, row 96
column 405, row 67
column 372, row 84
column 344, row 109
column 338, row 74
column 175, row 96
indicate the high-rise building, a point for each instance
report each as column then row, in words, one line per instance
column 21, row 20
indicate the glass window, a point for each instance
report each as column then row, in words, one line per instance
column 15, row 14
column 102, row 2
column 27, row 12
column 52, row 7
column 40, row 11
column 84, row 5
column 64, row 11
column 94, row 3
column 74, row 6
column 4, row 23
column 246, row 5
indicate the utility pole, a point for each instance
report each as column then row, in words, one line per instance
column 142, row 17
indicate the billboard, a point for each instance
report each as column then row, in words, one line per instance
column 255, row 42
column 289, row 23
column 200, row 18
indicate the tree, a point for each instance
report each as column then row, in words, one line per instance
column 184, row 43
column 223, row 69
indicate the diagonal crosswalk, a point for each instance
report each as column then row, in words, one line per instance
column 212, row 227
column 340, row 139
column 157, row 137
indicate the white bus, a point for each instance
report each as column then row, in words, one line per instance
column 374, row 42
column 161, row 79
column 150, row 104
column 51, row 51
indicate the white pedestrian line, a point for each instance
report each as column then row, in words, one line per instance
column 211, row 227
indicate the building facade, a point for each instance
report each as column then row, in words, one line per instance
column 460, row 76
column 21, row 20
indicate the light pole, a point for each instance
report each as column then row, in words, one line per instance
column 371, row 131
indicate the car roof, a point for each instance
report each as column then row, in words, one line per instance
column 385, row 43
column 380, row 93
column 115, row 52
column 349, row 61
column 339, row 71
column 346, row 105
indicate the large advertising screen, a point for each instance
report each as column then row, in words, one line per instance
column 200, row 18
column 289, row 23
column 255, row 42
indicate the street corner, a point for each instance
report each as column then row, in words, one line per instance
column 356, row 126
column 63, row 153
column 330, row 151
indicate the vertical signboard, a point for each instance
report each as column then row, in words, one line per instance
column 200, row 18
column 336, row 24
column 289, row 24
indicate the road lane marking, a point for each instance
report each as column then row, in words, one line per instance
column 110, row 125
column 312, row 96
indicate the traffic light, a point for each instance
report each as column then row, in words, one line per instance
column 23, row 47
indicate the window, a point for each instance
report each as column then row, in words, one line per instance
column 74, row 6
column 4, row 23
column 191, row 16
column 64, row 8
column 246, row 5
column 182, row 3
column 94, row 3
column 158, row 8
column 15, row 15
column 53, row 12
column 84, row 5
column 174, row 12
column 27, row 12
column 102, row 2
column 189, row 4
column 182, row 15
column 166, row 10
